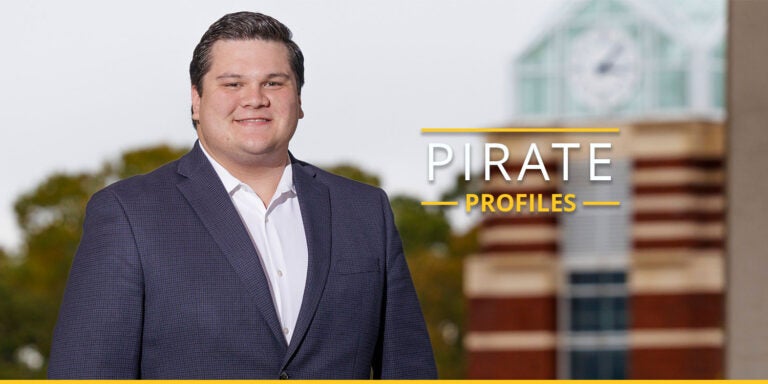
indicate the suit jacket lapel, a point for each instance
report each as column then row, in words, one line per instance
column 315, row 203
column 207, row 196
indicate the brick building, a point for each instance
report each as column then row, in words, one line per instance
column 634, row 291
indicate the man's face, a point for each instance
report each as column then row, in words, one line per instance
column 249, row 107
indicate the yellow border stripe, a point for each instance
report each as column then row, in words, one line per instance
column 520, row 130
column 439, row 203
column 389, row 381
column 600, row 203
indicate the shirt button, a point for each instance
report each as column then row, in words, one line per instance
column 285, row 330
column 280, row 273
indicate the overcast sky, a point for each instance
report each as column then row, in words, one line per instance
column 83, row 81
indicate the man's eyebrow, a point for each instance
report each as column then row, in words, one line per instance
column 228, row 75
column 236, row 76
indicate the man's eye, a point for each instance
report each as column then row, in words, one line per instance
column 232, row 85
column 273, row 84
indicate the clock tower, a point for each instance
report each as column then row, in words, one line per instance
column 632, row 291
column 624, row 60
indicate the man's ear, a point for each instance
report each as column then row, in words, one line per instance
column 301, row 110
column 195, row 104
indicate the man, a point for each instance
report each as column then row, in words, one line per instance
column 237, row 260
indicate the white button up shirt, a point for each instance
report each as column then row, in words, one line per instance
column 277, row 232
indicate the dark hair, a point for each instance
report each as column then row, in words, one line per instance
column 244, row 26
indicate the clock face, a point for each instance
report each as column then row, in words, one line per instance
column 604, row 67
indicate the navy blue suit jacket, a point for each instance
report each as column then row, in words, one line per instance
column 166, row 283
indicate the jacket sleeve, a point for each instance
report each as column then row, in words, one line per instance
column 404, row 350
column 98, row 332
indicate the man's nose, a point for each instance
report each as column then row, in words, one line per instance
column 254, row 97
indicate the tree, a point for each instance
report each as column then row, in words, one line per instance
column 435, row 256
column 355, row 173
column 420, row 227
column 21, row 324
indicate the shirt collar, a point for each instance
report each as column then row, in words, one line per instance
column 232, row 183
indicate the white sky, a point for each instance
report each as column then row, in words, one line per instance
column 82, row 81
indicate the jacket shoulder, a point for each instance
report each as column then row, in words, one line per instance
column 342, row 185
column 142, row 186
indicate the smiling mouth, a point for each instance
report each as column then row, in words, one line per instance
column 254, row 120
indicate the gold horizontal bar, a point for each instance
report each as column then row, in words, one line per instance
column 521, row 130
column 439, row 203
column 600, row 203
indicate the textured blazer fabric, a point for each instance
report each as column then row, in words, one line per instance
column 166, row 283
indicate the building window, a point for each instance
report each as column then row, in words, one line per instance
column 593, row 317
column 717, row 60
column 535, row 73
column 596, row 338
column 673, row 89
column 607, row 364
column 534, row 96
column 597, row 301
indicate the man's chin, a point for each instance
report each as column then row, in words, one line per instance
column 265, row 155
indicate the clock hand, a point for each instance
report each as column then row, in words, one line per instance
column 610, row 59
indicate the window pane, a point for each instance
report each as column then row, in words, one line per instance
column 618, row 364
column 588, row 12
column 615, row 7
column 718, row 89
column 585, row 278
column 618, row 313
column 585, row 314
column 672, row 87
column 598, row 364
column 598, row 278
column 607, row 313
column 584, row 365
column 668, row 52
column 533, row 95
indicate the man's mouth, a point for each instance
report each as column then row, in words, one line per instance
column 252, row 120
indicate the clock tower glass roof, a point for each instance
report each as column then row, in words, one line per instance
column 625, row 60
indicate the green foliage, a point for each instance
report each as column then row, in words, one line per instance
column 145, row 160
column 21, row 323
column 462, row 187
column 435, row 257
column 420, row 227
column 59, row 200
column 355, row 173
column 437, row 275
